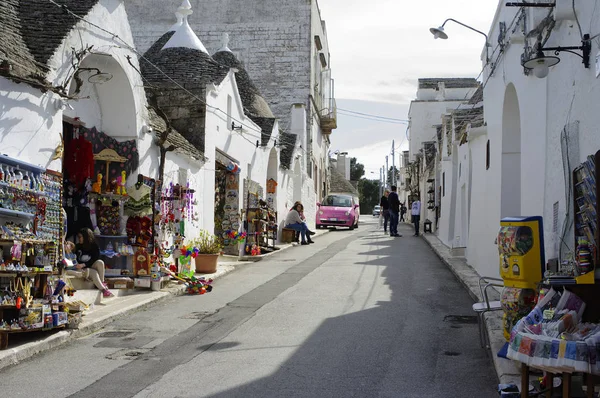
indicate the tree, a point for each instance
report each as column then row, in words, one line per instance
column 389, row 176
column 357, row 170
column 368, row 194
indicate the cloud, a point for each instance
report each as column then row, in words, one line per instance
column 380, row 48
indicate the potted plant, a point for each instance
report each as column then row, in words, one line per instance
column 207, row 248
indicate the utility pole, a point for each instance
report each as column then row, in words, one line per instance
column 387, row 168
column 393, row 165
column 380, row 178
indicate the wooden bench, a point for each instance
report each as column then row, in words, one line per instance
column 288, row 235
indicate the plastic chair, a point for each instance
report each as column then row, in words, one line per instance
column 486, row 305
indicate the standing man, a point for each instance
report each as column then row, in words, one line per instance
column 385, row 210
column 416, row 215
column 402, row 211
column 394, row 202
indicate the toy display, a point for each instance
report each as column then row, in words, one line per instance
column 107, row 215
column 521, row 249
column 97, row 186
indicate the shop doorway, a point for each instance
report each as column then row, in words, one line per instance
column 511, row 155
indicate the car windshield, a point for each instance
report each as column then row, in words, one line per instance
column 377, row 207
column 337, row 201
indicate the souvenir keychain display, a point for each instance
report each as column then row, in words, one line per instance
column 178, row 205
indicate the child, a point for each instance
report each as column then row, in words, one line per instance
column 70, row 257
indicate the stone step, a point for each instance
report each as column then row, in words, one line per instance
column 86, row 291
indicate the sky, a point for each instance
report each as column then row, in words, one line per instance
column 379, row 48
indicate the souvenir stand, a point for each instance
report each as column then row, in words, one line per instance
column 141, row 211
column 96, row 169
column 177, row 205
column 227, row 202
column 31, row 295
column 260, row 223
column 561, row 334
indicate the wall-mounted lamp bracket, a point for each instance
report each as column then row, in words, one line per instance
column 585, row 48
column 234, row 127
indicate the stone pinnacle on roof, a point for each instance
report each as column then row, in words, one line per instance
column 225, row 43
column 179, row 22
column 184, row 36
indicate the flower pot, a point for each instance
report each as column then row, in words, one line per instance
column 206, row 263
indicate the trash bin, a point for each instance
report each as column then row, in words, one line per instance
column 427, row 226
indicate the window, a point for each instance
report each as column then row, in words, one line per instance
column 443, row 184
column 487, row 155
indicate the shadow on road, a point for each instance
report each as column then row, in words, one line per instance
column 403, row 347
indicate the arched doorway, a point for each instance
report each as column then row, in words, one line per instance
column 511, row 155
column 108, row 102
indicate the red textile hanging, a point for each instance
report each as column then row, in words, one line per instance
column 79, row 162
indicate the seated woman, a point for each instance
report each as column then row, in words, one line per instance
column 89, row 265
column 301, row 213
column 295, row 222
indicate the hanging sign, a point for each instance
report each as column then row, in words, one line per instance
column 271, row 186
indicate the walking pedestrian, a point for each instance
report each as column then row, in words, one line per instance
column 394, row 202
column 416, row 215
column 402, row 211
column 385, row 209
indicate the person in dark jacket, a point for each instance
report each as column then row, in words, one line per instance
column 394, row 202
column 385, row 209
column 402, row 211
column 88, row 260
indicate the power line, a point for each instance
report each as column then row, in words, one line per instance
column 372, row 119
column 371, row 115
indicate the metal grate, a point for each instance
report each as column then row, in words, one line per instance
column 115, row 333
column 461, row 319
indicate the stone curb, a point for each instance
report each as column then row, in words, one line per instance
column 12, row 356
column 506, row 370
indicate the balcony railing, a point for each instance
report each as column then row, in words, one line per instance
column 329, row 117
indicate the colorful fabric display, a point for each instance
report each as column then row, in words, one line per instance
column 139, row 202
column 554, row 339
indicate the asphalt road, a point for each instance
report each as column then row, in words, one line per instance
column 357, row 314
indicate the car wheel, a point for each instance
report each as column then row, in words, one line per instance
column 318, row 226
column 356, row 226
column 351, row 227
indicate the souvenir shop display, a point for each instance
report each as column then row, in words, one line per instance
column 271, row 193
column 112, row 184
column 553, row 337
column 177, row 206
column 227, row 210
column 520, row 243
column 261, row 224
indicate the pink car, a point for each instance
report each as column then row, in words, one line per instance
column 338, row 210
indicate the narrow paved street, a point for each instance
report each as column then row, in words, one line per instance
column 357, row 314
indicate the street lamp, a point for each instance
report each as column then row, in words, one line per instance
column 439, row 33
column 379, row 185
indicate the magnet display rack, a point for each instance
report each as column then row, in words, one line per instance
column 586, row 218
column 46, row 224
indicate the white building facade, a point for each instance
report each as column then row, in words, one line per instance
column 425, row 177
column 535, row 131
column 283, row 46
